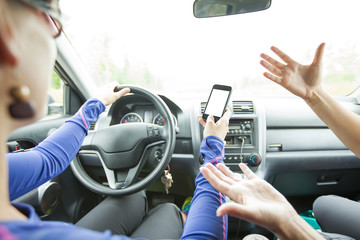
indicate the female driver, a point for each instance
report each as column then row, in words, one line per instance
column 27, row 56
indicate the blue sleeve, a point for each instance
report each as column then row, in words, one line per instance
column 30, row 169
column 202, row 222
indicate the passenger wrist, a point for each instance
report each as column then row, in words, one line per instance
column 315, row 97
column 295, row 228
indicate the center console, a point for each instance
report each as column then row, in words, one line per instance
column 245, row 140
column 242, row 143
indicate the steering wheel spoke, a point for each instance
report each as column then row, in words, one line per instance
column 122, row 178
column 118, row 179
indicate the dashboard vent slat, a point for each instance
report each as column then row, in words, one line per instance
column 92, row 126
column 243, row 107
column 202, row 107
column 239, row 107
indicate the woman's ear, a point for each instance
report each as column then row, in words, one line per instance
column 7, row 55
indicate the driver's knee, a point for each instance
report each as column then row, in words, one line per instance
column 162, row 222
column 121, row 215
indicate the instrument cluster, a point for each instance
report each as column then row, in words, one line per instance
column 134, row 117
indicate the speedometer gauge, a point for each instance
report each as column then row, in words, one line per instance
column 131, row 118
column 159, row 120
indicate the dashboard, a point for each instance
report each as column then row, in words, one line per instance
column 281, row 140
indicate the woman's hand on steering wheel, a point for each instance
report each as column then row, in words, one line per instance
column 107, row 95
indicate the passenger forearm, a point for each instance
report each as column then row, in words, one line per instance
column 344, row 123
column 297, row 229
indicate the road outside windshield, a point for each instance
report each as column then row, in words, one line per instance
column 160, row 45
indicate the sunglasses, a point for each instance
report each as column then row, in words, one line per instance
column 52, row 14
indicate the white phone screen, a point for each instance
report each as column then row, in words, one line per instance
column 217, row 102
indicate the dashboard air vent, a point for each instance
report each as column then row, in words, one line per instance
column 243, row 107
column 239, row 107
column 92, row 126
column 202, row 107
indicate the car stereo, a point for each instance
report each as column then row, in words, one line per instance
column 241, row 144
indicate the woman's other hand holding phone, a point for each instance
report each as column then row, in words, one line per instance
column 218, row 129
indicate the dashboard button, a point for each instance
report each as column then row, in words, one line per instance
column 255, row 160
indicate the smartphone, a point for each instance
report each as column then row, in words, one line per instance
column 217, row 102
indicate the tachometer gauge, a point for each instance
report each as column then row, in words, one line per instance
column 159, row 120
column 131, row 118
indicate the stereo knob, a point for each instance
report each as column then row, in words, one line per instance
column 255, row 160
column 248, row 126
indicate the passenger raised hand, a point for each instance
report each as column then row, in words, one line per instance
column 301, row 80
column 107, row 95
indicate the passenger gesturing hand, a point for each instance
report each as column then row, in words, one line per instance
column 255, row 200
column 301, row 80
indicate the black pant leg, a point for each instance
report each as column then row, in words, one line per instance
column 121, row 215
column 334, row 236
column 162, row 222
column 338, row 215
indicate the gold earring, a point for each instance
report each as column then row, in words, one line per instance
column 21, row 108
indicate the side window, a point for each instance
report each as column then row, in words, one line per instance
column 56, row 96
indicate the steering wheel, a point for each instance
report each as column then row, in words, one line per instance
column 123, row 151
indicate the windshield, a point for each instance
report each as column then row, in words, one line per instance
column 160, row 45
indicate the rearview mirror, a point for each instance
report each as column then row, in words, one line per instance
column 215, row 8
